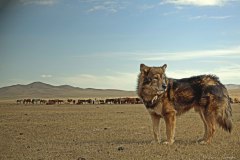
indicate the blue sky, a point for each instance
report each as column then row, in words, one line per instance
column 101, row 43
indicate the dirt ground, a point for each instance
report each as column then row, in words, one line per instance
column 105, row 132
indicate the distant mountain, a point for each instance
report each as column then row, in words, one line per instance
column 232, row 86
column 43, row 90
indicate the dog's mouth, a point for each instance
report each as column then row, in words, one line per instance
column 158, row 95
column 160, row 89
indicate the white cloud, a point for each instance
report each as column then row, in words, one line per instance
column 210, row 17
column 227, row 74
column 124, row 81
column 106, row 5
column 178, row 74
column 188, row 55
column 38, row 2
column 46, row 76
column 102, row 8
column 198, row 2
column 147, row 6
column 220, row 61
column 128, row 81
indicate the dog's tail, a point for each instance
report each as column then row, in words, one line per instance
column 224, row 116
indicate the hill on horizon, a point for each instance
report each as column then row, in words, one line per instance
column 43, row 90
column 232, row 86
column 47, row 91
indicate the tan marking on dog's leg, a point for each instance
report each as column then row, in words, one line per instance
column 170, row 120
column 205, row 126
column 211, row 126
column 156, row 130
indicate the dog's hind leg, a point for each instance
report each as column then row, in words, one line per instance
column 209, row 125
column 211, row 121
column 201, row 112
column 156, row 130
column 170, row 120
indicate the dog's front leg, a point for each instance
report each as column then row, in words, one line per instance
column 170, row 120
column 156, row 131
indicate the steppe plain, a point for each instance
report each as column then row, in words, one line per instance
column 83, row 132
column 86, row 132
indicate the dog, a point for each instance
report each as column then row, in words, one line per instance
column 167, row 97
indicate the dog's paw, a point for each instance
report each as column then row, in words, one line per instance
column 168, row 142
column 203, row 142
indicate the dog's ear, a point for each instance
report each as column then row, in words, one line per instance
column 164, row 67
column 144, row 68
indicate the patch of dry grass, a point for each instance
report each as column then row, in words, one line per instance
column 105, row 132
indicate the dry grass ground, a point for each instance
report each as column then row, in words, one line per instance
column 105, row 132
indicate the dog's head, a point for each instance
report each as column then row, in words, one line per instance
column 152, row 83
column 154, row 78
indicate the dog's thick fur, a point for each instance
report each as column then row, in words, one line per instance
column 166, row 98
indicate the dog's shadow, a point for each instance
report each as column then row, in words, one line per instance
column 183, row 142
column 151, row 142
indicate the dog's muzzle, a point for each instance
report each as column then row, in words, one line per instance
column 162, row 89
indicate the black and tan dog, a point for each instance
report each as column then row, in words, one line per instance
column 166, row 98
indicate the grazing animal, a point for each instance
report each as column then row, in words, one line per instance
column 27, row 101
column 19, row 101
column 43, row 101
column 166, row 98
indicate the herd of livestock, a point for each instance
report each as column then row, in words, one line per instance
column 234, row 100
column 125, row 100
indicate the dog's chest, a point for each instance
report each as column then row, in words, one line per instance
column 157, row 110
